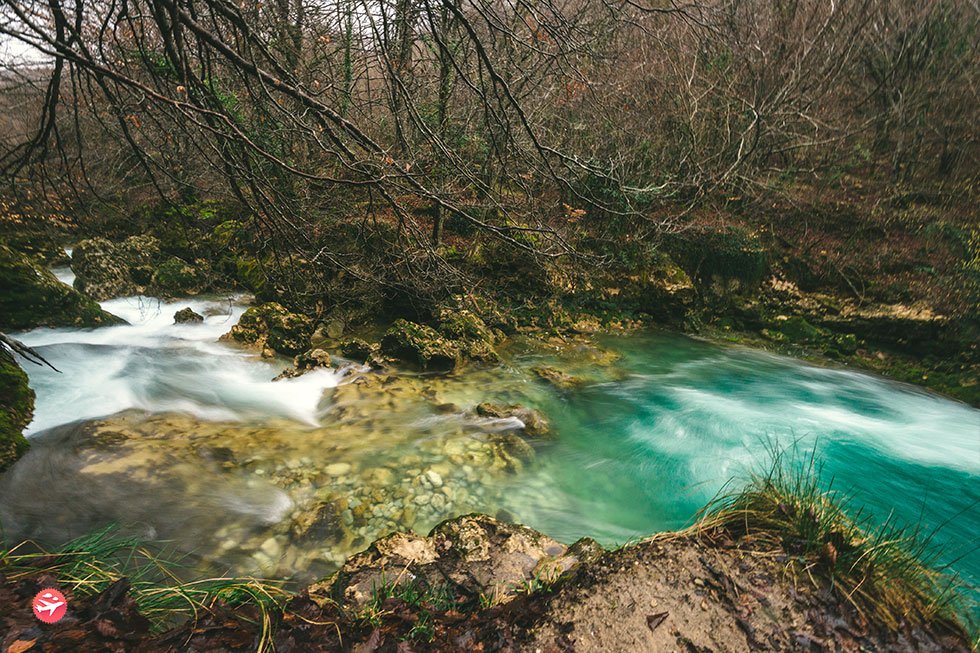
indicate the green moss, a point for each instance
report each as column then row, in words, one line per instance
column 16, row 410
column 273, row 325
column 32, row 297
column 420, row 345
column 174, row 277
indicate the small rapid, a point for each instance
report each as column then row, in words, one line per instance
column 186, row 436
column 156, row 365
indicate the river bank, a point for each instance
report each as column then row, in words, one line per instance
column 535, row 412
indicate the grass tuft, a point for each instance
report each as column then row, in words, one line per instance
column 888, row 571
column 93, row 562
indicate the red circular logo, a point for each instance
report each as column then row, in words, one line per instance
column 49, row 605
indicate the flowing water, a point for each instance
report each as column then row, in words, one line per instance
column 194, row 443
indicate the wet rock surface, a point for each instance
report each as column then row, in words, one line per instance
column 33, row 297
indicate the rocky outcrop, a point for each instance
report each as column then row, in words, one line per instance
column 33, row 297
column 16, row 409
column 272, row 326
column 558, row 378
column 420, row 345
column 475, row 554
column 135, row 266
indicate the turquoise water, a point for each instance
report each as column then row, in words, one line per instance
column 645, row 451
column 661, row 425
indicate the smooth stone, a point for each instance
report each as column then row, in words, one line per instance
column 434, row 478
column 337, row 469
column 271, row 548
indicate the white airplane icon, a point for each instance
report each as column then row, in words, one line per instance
column 45, row 606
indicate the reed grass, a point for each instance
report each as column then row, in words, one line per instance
column 93, row 562
column 891, row 572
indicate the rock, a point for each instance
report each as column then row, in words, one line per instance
column 176, row 277
column 434, row 478
column 464, row 325
column 357, row 349
column 337, row 469
column 33, row 297
column 324, row 523
column 271, row 548
column 104, row 270
column 187, row 315
column 536, row 424
column 558, row 378
column 420, row 345
column 16, row 410
column 475, row 554
column 273, row 326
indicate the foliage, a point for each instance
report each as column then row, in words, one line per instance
column 882, row 568
column 93, row 562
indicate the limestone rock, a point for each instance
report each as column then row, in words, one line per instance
column 187, row 315
column 420, row 345
column 474, row 553
column 33, row 297
column 271, row 325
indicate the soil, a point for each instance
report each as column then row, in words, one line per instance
column 670, row 593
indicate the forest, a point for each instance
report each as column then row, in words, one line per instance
column 454, row 266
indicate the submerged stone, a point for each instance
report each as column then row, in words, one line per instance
column 558, row 378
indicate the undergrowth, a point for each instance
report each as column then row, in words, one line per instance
column 886, row 570
column 93, row 562
column 422, row 599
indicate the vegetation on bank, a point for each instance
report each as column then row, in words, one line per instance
column 890, row 574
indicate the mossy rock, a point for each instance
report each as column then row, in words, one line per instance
column 272, row 325
column 177, row 277
column 732, row 254
column 558, row 378
column 420, row 345
column 797, row 329
column 463, row 324
column 105, row 270
column 16, row 410
column 33, row 297
column 356, row 349
column 187, row 315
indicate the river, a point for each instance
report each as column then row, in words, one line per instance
column 182, row 437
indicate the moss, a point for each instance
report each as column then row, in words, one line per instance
column 174, row 276
column 33, row 297
column 16, row 410
column 271, row 324
column 420, row 345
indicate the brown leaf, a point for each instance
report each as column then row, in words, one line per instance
column 654, row 620
column 21, row 645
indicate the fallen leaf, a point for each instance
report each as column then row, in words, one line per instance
column 654, row 620
column 21, row 645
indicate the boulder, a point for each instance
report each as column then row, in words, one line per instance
column 420, row 345
column 356, row 349
column 536, row 424
column 187, row 315
column 474, row 554
column 33, row 297
column 176, row 277
column 272, row 326
column 104, row 270
column 16, row 409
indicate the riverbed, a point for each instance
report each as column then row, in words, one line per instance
column 180, row 436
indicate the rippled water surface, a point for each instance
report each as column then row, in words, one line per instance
column 212, row 454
